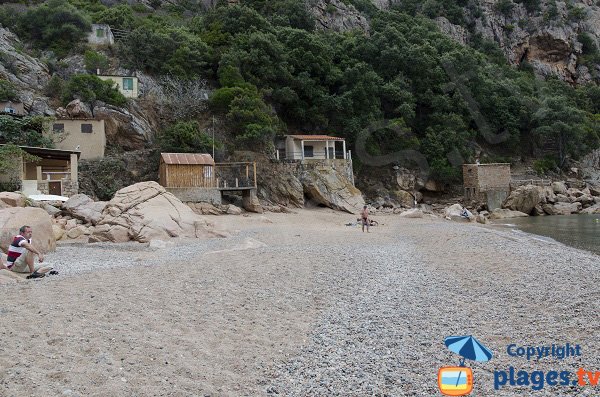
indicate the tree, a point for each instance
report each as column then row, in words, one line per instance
column 90, row 88
column 7, row 91
column 95, row 61
column 26, row 131
column 55, row 25
column 185, row 137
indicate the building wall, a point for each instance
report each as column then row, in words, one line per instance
column 17, row 108
column 297, row 167
column 479, row 180
column 91, row 144
column 118, row 80
column 104, row 38
column 293, row 148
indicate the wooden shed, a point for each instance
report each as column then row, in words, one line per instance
column 187, row 170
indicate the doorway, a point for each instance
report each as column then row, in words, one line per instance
column 55, row 188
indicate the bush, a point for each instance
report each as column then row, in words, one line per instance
column 7, row 91
column 90, row 88
column 55, row 25
column 185, row 137
column 55, row 87
column 94, row 60
column 10, row 166
column 103, row 178
column 542, row 166
column 26, row 131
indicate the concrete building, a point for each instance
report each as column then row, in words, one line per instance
column 12, row 108
column 85, row 135
column 101, row 34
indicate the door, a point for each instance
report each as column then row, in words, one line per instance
column 55, row 188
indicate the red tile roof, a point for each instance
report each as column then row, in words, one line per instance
column 187, row 158
column 316, row 138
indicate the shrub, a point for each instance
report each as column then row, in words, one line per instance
column 7, row 91
column 26, row 131
column 94, row 60
column 55, row 87
column 90, row 88
column 185, row 137
column 10, row 166
column 55, row 25
column 542, row 166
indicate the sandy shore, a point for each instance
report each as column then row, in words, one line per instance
column 298, row 305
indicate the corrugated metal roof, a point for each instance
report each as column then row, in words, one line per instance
column 316, row 138
column 188, row 158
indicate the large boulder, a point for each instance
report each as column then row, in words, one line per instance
column 12, row 199
column 503, row 213
column 332, row 189
column 82, row 207
column 146, row 211
column 525, row 198
column 559, row 188
column 594, row 209
column 562, row 208
column 11, row 219
column 412, row 213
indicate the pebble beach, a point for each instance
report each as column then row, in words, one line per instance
column 299, row 305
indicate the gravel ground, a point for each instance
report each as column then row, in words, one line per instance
column 299, row 305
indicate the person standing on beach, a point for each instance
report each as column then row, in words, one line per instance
column 364, row 214
column 21, row 254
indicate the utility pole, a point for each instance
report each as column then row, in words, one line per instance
column 213, row 136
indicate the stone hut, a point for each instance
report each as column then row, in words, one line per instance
column 489, row 183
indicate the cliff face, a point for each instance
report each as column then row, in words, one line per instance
column 547, row 38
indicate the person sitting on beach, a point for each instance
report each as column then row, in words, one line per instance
column 364, row 214
column 21, row 254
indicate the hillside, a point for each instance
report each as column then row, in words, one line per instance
column 422, row 85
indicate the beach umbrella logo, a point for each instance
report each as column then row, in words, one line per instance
column 458, row 380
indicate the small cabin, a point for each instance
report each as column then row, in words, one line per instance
column 101, row 34
column 12, row 108
column 55, row 172
column 127, row 85
column 311, row 147
column 487, row 182
column 187, row 170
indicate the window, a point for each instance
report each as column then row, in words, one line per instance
column 86, row 128
column 308, row 151
column 58, row 128
column 128, row 83
column 100, row 33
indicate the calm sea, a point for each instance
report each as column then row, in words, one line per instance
column 580, row 231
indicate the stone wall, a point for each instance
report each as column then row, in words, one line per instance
column 296, row 167
column 69, row 188
column 196, row 194
column 486, row 182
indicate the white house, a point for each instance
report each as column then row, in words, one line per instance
column 312, row 147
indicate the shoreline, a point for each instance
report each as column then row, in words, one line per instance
column 295, row 304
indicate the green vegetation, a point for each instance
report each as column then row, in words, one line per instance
column 94, row 60
column 25, row 131
column 274, row 72
column 7, row 91
column 90, row 88
column 11, row 166
column 185, row 137
column 55, row 25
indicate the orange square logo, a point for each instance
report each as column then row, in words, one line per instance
column 455, row 381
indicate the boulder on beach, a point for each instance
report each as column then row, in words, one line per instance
column 11, row 219
column 12, row 199
column 146, row 211
column 503, row 213
column 525, row 198
column 562, row 208
column 82, row 207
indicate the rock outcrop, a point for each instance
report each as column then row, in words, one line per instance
column 337, row 16
column 525, row 198
column 146, row 211
column 331, row 189
column 82, row 207
column 11, row 219
column 28, row 74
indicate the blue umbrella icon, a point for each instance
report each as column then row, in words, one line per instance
column 469, row 348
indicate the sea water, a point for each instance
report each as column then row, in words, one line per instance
column 579, row 231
